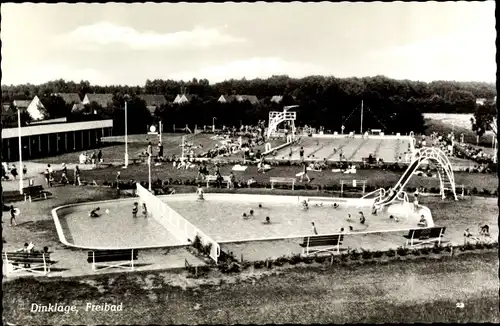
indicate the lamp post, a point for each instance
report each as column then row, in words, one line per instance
column 126, row 136
column 21, row 174
column 149, row 171
column 213, row 124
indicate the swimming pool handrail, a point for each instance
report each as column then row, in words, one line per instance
column 381, row 192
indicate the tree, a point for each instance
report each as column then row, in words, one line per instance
column 55, row 107
column 484, row 116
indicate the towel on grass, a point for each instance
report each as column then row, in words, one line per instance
column 238, row 167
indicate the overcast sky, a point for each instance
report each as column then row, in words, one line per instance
column 127, row 44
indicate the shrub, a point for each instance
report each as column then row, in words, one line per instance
column 486, row 192
column 258, row 264
column 474, row 191
column 344, row 257
column 425, row 251
column 401, row 251
column 480, row 245
column 320, row 259
column 354, row 254
column 390, row 253
column 295, row 259
column 366, row 254
column 308, row 259
column 415, row 252
column 378, row 254
column 437, row 249
column 491, row 245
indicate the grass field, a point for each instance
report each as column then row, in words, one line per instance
column 400, row 292
column 374, row 177
column 459, row 123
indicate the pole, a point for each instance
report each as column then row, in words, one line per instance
column 213, row 124
column 126, row 136
column 20, row 153
column 149, row 171
column 361, row 129
column 160, row 131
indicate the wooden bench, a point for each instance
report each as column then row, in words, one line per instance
column 329, row 242
column 418, row 237
column 120, row 258
column 29, row 262
column 212, row 178
column 33, row 192
column 282, row 180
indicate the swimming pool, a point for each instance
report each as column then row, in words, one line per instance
column 220, row 215
column 117, row 229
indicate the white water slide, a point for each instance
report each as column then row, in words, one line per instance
column 419, row 157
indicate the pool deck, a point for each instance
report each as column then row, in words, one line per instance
column 73, row 262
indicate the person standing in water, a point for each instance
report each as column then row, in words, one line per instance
column 135, row 209
column 199, row 192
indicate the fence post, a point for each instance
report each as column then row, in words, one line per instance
column 341, row 188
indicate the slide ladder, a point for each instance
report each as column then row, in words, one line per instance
column 423, row 154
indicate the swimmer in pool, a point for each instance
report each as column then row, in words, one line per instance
column 93, row 213
column 335, row 205
column 245, row 216
column 362, row 218
column 144, row 210
column 200, row 192
column 251, row 213
column 260, row 205
column 267, row 221
column 305, row 205
column 349, row 218
column 394, row 218
column 135, row 209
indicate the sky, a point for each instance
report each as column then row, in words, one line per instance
column 129, row 43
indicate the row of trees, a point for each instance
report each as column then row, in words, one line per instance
column 438, row 96
column 391, row 105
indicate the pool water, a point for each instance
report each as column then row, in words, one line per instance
column 221, row 218
column 113, row 230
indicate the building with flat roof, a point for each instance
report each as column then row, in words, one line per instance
column 49, row 139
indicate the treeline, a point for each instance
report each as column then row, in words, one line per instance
column 392, row 105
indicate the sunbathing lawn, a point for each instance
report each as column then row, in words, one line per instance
column 401, row 292
column 373, row 177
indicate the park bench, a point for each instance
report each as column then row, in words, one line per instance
column 33, row 192
column 418, row 237
column 120, row 258
column 212, row 178
column 274, row 180
column 328, row 242
column 35, row 262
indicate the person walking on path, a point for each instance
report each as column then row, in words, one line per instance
column 77, row 176
column 304, row 172
column 13, row 171
column 13, row 213
column 314, row 230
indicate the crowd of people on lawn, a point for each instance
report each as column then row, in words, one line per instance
column 460, row 149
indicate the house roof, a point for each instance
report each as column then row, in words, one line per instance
column 153, row 100
column 21, row 103
column 101, row 99
column 69, row 98
column 189, row 97
column 251, row 98
column 276, row 98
